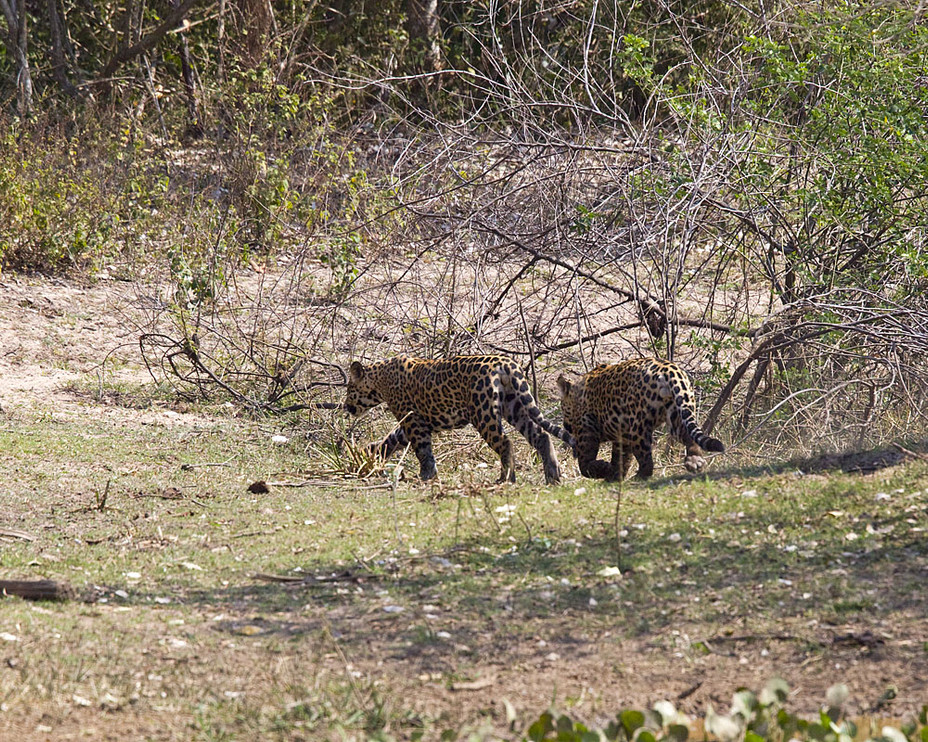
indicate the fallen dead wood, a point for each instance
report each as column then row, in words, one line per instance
column 278, row 578
column 902, row 449
column 16, row 533
column 37, row 589
column 344, row 576
column 689, row 691
column 188, row 467
column 329, row 483
column 478, row 684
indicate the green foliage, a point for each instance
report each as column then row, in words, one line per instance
column 58, row 210
column 195, row 277
column 583, row 223
column 716, row 350
column 636, row 60
column 603, row 55
column 753, row 718
column 844, row 149
column 260, row 108
column 342, row 256
column 261, row 191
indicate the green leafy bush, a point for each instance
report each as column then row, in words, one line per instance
column 753, row 718
column 67, row 204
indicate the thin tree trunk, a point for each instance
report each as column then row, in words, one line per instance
column 221, row 40
column 128, row 51
column 18, row 42
column 194, row 128
column 424, row 55
column 59, row 65
column 257, row 21
column 424, row 34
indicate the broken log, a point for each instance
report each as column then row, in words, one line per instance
column 36, row 589
column 16, row 533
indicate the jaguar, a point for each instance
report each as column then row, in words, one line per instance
column 442, row 394
column 623, row 403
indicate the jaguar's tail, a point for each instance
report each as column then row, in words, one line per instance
column 521, row 387
column 705, row 442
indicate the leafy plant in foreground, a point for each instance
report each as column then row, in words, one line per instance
column 753, row 718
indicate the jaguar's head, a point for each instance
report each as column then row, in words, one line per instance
column 361, row 394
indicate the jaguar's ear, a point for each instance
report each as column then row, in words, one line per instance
column 564, row 385
column 356, row 370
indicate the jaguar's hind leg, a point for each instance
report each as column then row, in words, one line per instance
column 683, row 428
column 518, row 416
column 645, row 462
column 492, row 433
column 487, row 416
column 623, row 453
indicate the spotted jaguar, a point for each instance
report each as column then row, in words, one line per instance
column 623, row 403
column 430, row 395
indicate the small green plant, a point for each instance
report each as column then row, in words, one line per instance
column 636, row 60
column 195, row 283
column 342, row 257
column 56, row 217
column 583, row 222
column 717, row 351
column 753, row 718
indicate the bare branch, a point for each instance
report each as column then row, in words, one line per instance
column 126, row 53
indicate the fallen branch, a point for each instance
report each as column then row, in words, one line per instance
column 902, row 449
column 188, row 467
column 14, row 533
column 201, row 373
column 313, row 405
column 37, row 589
column 754, row 638
column 249, row 534
column 344, row 576
column 478, row 684
column 690, row 691
column 328, row 483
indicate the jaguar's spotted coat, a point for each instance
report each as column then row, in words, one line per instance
column 623, row 404
column 430, row 395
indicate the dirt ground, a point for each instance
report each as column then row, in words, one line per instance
column 53, row 332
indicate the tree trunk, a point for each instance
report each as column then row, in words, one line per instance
column 424, row 55
column 257, row 19
column 194, row 128
column 59, row 65
column 422, row 25
column 128, row 51
column 18, row 42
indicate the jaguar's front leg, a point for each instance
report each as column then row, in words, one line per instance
column 587, row 450
column 419, row 434
column 621, row 461
column 385, row 448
